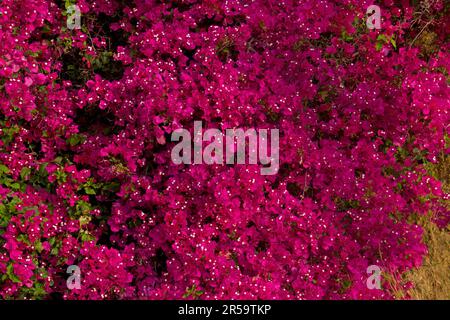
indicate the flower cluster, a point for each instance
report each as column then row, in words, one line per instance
column 86, row 176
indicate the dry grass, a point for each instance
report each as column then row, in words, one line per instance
column 432, row 280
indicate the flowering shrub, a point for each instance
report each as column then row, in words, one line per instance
column 86, row 176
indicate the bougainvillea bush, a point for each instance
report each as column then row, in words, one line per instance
column 86, row 117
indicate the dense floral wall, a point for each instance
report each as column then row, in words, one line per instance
column 86, row 117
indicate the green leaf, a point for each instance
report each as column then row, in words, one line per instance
column 38, row 246
column 379, row 46
column 52, row 241
column 76, row 139
column 25, row 173
column 89, row 191
column 23, row 238
column 85, row 236
column 10, row 273
column 54, row 251
column 394, row 44
column 346, row 37
column 58, row 160
column 4, row 169
column 15, row 186
column 61, row 176
column 382, row 38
